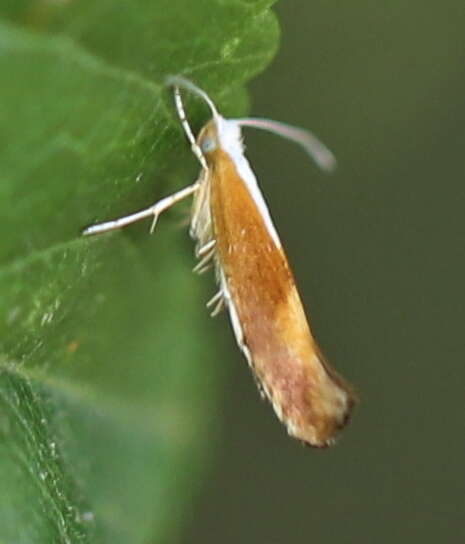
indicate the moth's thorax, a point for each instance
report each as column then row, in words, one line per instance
column 221, row 143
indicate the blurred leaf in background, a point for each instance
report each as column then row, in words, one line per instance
column 108, row 381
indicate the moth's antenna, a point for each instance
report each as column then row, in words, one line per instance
column 323, row 157
column 187, row 129
column 177, row 82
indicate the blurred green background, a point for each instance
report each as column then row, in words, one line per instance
column 378, row 251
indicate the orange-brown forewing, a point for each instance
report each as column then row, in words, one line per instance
column 307, row 394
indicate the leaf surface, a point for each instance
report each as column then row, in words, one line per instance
column 110, row 371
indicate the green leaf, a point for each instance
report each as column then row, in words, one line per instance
column 110, row 369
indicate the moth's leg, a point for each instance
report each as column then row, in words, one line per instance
column 155, row 210
column 215, row 298
column 219, row 306
column 204, row 263
column 201, row 251
column 217, row 302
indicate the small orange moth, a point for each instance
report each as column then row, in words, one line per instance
column 233, row 229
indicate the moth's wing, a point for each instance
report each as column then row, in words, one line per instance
column 267, row 315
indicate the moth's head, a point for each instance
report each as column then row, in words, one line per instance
column 208, row 139
column 220, row 133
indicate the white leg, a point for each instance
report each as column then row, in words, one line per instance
column 154, row 210
column 219, row 306
column 201, row 251
column 204, row 263
column 206, row 268
column 215, row 298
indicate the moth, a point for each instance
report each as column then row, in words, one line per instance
column 233, row 230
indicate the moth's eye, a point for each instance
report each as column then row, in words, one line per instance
column 208, row 145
